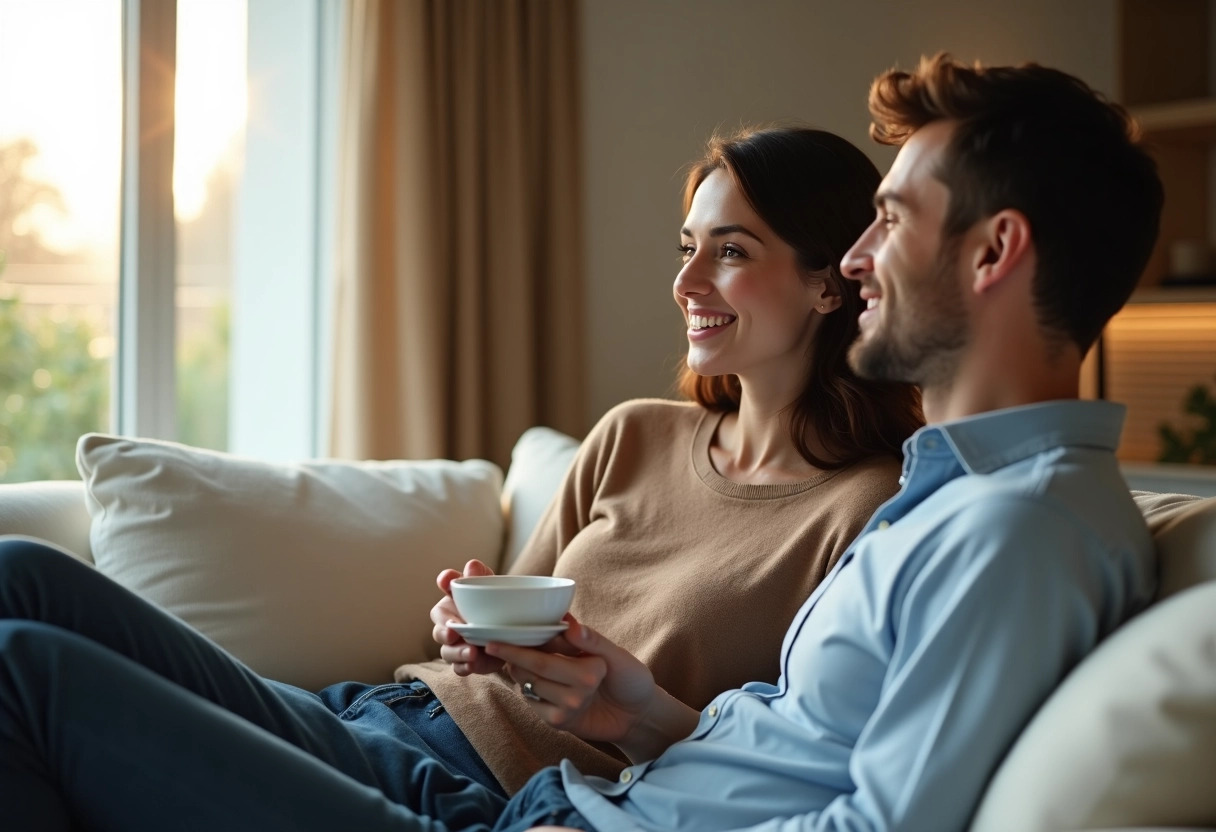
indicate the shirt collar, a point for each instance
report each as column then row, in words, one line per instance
column 988, row 441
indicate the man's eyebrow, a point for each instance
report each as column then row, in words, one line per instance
column 883, row 197
column 723, row 230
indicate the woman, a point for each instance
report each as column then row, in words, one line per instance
column 730, row 508
column 695, row 531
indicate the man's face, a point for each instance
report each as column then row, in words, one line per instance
column 915, row 324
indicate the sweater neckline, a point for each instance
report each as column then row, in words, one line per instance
column 707, row 426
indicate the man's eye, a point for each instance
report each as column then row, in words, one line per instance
column 888, row 220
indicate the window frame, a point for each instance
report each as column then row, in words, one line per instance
column 283, row 268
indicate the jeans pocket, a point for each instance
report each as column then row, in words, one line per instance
column 387, row 695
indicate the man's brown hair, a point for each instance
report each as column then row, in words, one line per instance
column 1044, row 143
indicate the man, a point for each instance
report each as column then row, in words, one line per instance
column 1014, row 222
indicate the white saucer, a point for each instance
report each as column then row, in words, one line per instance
column 526, row 636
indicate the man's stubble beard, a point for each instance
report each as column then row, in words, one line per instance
column 924, row 345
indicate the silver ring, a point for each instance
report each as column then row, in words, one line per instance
column 529, row 691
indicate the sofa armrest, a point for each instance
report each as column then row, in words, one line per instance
column 51, row 510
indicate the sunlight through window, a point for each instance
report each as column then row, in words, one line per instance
column 60, row 158
column 210, row 105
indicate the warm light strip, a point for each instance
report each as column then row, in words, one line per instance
column 1155, row 354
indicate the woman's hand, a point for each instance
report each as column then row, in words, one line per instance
column 465, row 658
column 598, row 691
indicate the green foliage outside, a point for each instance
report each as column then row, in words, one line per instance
column 202, row 385
column 51, row 391
column 1197, row 446
column 51, row 388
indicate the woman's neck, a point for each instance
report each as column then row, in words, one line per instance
column 753, row 446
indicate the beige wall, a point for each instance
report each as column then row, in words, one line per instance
column 659, row 76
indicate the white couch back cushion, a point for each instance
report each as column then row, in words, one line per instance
column 311, row 573
column 539, row 462
column 52, row 510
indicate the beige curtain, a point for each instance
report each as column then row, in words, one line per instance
column 459, row 304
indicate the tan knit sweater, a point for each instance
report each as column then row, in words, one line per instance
column 696, row 575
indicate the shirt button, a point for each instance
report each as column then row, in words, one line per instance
column 883, row 524
column 713, row 710
column 626, row 776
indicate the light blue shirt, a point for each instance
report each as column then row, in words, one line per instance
column 1012, row 548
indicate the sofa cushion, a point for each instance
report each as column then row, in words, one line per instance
column 311, row 573
column 1184, row 531
column 539, row 462
column 1129, row 738
column 50, row 510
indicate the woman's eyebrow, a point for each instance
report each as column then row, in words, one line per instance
column 723, row 230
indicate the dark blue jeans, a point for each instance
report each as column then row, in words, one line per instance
column 116, row 715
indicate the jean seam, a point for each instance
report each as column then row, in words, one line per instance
column 379, row 689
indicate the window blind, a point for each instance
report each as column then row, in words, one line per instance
column 1155, row 353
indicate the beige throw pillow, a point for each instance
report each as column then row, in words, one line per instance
column 311, row 573
column 1184, row 531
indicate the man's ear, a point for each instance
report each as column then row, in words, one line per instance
column 1003, row 243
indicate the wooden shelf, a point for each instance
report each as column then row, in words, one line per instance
column 1181, row 136
column 1178, row 122
column 1175, row 294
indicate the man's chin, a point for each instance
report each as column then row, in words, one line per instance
column 870, row 360
column 862, row 359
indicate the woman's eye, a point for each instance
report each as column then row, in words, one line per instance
column 730, row 250
column 686, row 252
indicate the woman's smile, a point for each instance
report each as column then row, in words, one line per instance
column 701, row 327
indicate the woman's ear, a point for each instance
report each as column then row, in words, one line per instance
column 829, row 296
column 1002, row 245
column 828, row 303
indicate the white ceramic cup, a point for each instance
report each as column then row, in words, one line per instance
column 512, row 600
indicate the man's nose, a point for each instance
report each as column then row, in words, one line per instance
column 857, row 261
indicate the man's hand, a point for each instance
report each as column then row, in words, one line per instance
column 465, row 658
column 598, row 691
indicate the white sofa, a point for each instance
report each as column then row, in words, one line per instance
column 323, row 571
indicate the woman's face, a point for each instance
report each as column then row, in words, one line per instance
column 748, row 310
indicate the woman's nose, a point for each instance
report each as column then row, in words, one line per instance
column 691, row 279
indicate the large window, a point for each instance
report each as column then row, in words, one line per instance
column 187, row 306
column 60, row 170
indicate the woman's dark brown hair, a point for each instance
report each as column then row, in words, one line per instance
column 816, row 192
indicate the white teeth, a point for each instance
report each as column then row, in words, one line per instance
column 872, row 303
column 707, row 321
